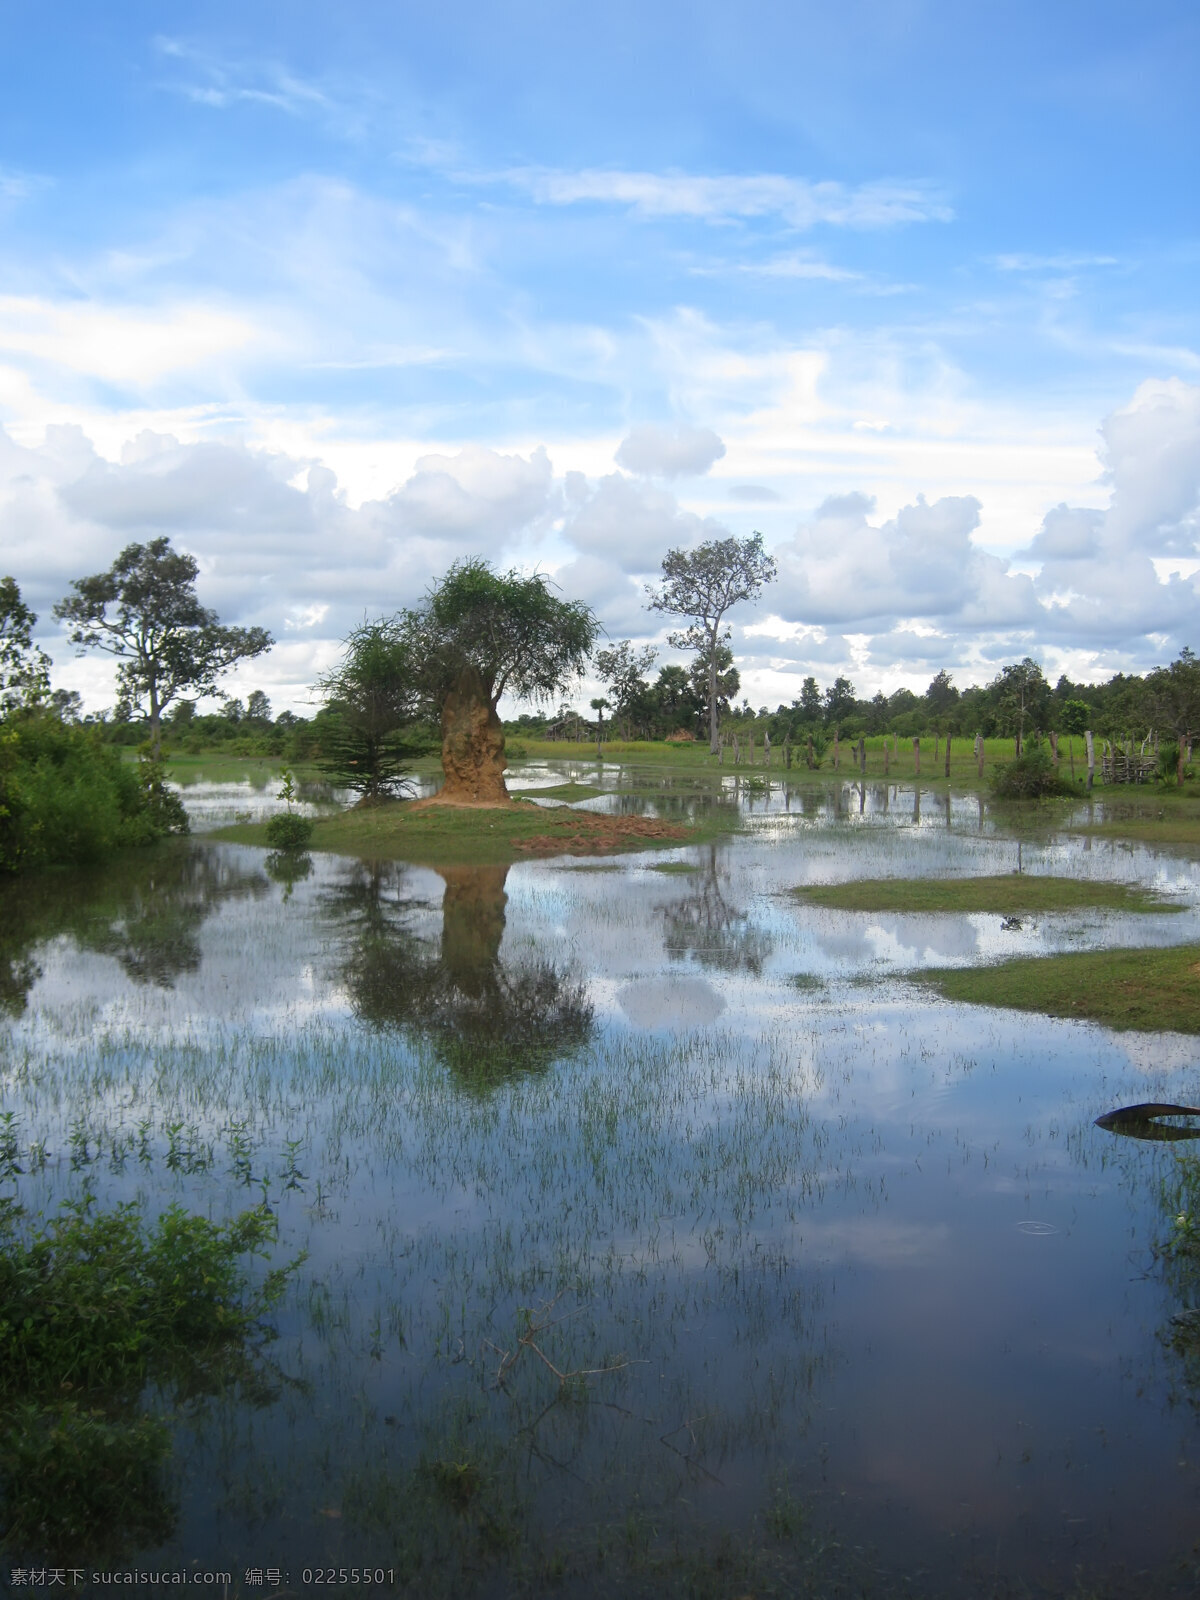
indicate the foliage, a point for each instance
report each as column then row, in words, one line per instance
column 95, row 1306
column 66, row 799
column 1032, row 776
column 1021, row 695
column 373, row 696
column 289, row 832
column 1074, row 718
column 24, row 668
column 144, row 611
column 623, row 670
column 520, row 638
column 1172, row 696
column 704, row 584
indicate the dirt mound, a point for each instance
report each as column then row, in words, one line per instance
column 586, row 832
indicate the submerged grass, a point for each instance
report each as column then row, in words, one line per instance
column 1147, row 990
column 1007, row 894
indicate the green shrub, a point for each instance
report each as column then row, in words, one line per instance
column 67, row 799
column 288, row 831
column 1032, row 776
column 94, row 1308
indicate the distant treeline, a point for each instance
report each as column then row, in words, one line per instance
column 1018, row 701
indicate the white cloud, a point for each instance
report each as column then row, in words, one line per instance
column 1059, row 263
column 119, row 345
column 798, row 202
column 880, row 597
column 657, row 452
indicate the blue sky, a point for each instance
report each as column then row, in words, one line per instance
column 333, row 298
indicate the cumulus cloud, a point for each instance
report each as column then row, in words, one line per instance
column 879, row 597
column 842, row 569
column 656, row 452
column 276, row 540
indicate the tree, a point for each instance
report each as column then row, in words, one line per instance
column 622, row 669
column 941, row 698
column 674, row 705
column 478, row 635
column 809, row 703
column 144, row 611
column 258, row 707
column 1021, row 694
column 1172, row 701
column 704, row 584
column 24, row 668
column 600, row 706
column 374, row 700
column 728, row 682
column 839, row 701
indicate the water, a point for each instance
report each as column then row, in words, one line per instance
column 660, row 1237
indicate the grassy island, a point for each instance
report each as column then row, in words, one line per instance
column 1146, row 990
column 422, row 830
column 1007, row 894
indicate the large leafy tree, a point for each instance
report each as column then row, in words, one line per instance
column 1021, row 697
column 24, row 668
column 1172, row 701
column 373, row 698
column 622, row 669
column 478, row 635
column 703, row 585
column 144, row 611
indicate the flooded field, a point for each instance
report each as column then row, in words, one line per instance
column 659, row 1236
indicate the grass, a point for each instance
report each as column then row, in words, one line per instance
column 1146, row 990
column 571, row 791
column 1008, row 894
column 401, row 832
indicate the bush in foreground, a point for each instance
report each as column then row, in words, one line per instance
column 66, row 799
column 95, row 1307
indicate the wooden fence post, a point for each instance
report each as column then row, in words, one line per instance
column 917, row 756
column 979, row 753
column 836, row 752
column 1091, row 756
column 947, row 755
column 885, row 755
column 862, row 756
column 1054, row 750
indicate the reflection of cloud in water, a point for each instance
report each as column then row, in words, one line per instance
column 875, row 1241
column 921, row 936
column 1161, row 1052
column 670, row 1002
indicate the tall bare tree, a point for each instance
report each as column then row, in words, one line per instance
column 703, row 584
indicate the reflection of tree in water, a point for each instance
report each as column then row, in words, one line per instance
column 487, row 1018
column 146, row 913
column 706, row 925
